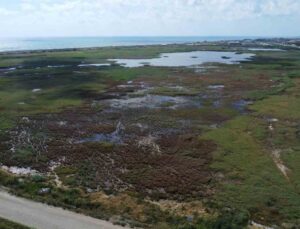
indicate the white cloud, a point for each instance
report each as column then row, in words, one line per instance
column 5, row 12
column 213, row 8
column 281, row 7
column 115, row 17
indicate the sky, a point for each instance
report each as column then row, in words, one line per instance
column 56, row 18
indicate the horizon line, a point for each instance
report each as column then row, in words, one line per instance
column 145, row 36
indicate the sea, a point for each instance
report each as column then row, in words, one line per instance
column 22, row 44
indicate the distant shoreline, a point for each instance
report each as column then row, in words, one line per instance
column 277, row 40
column 71, row 43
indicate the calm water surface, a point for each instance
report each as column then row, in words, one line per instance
column 186, row 59
column 18, row 44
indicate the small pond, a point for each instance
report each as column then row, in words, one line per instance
column 186, row 59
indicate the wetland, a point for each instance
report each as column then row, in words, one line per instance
column 202, row 135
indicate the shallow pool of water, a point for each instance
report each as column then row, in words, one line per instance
column 265, row 49
column 94, row 65
column 241, row 105
column 55, row 66
column 217, row 86
column 154, row 101
column 186, row 59
column 114, row 137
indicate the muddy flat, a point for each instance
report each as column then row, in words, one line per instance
column 41, row 216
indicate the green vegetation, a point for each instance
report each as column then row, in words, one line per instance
column 169, row 91
column 50, row 90
column 252, row 180
column 286, row 106
column 133, row 73
column 282, row 85
column 74, row 199
column 6, row 224
column 279, row 107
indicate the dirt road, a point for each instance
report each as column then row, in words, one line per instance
column 41, row 216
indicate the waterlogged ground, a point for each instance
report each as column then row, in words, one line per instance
column 204, row 134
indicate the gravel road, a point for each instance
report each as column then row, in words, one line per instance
column 42, row 216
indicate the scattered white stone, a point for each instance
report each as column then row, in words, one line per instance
column 62, row 123
column 36, row 90
column 142, row 126
column 20, row 180
column 19, row 171
column 89, row 190
column 44, row 190
column 149, row 142
column 214, row 126
column 216, row 86
column 259, row 226
column 125, row 86
column 25, row 119
column 130, row 82
column 273, row 120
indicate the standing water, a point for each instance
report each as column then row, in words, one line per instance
column 186, row 59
